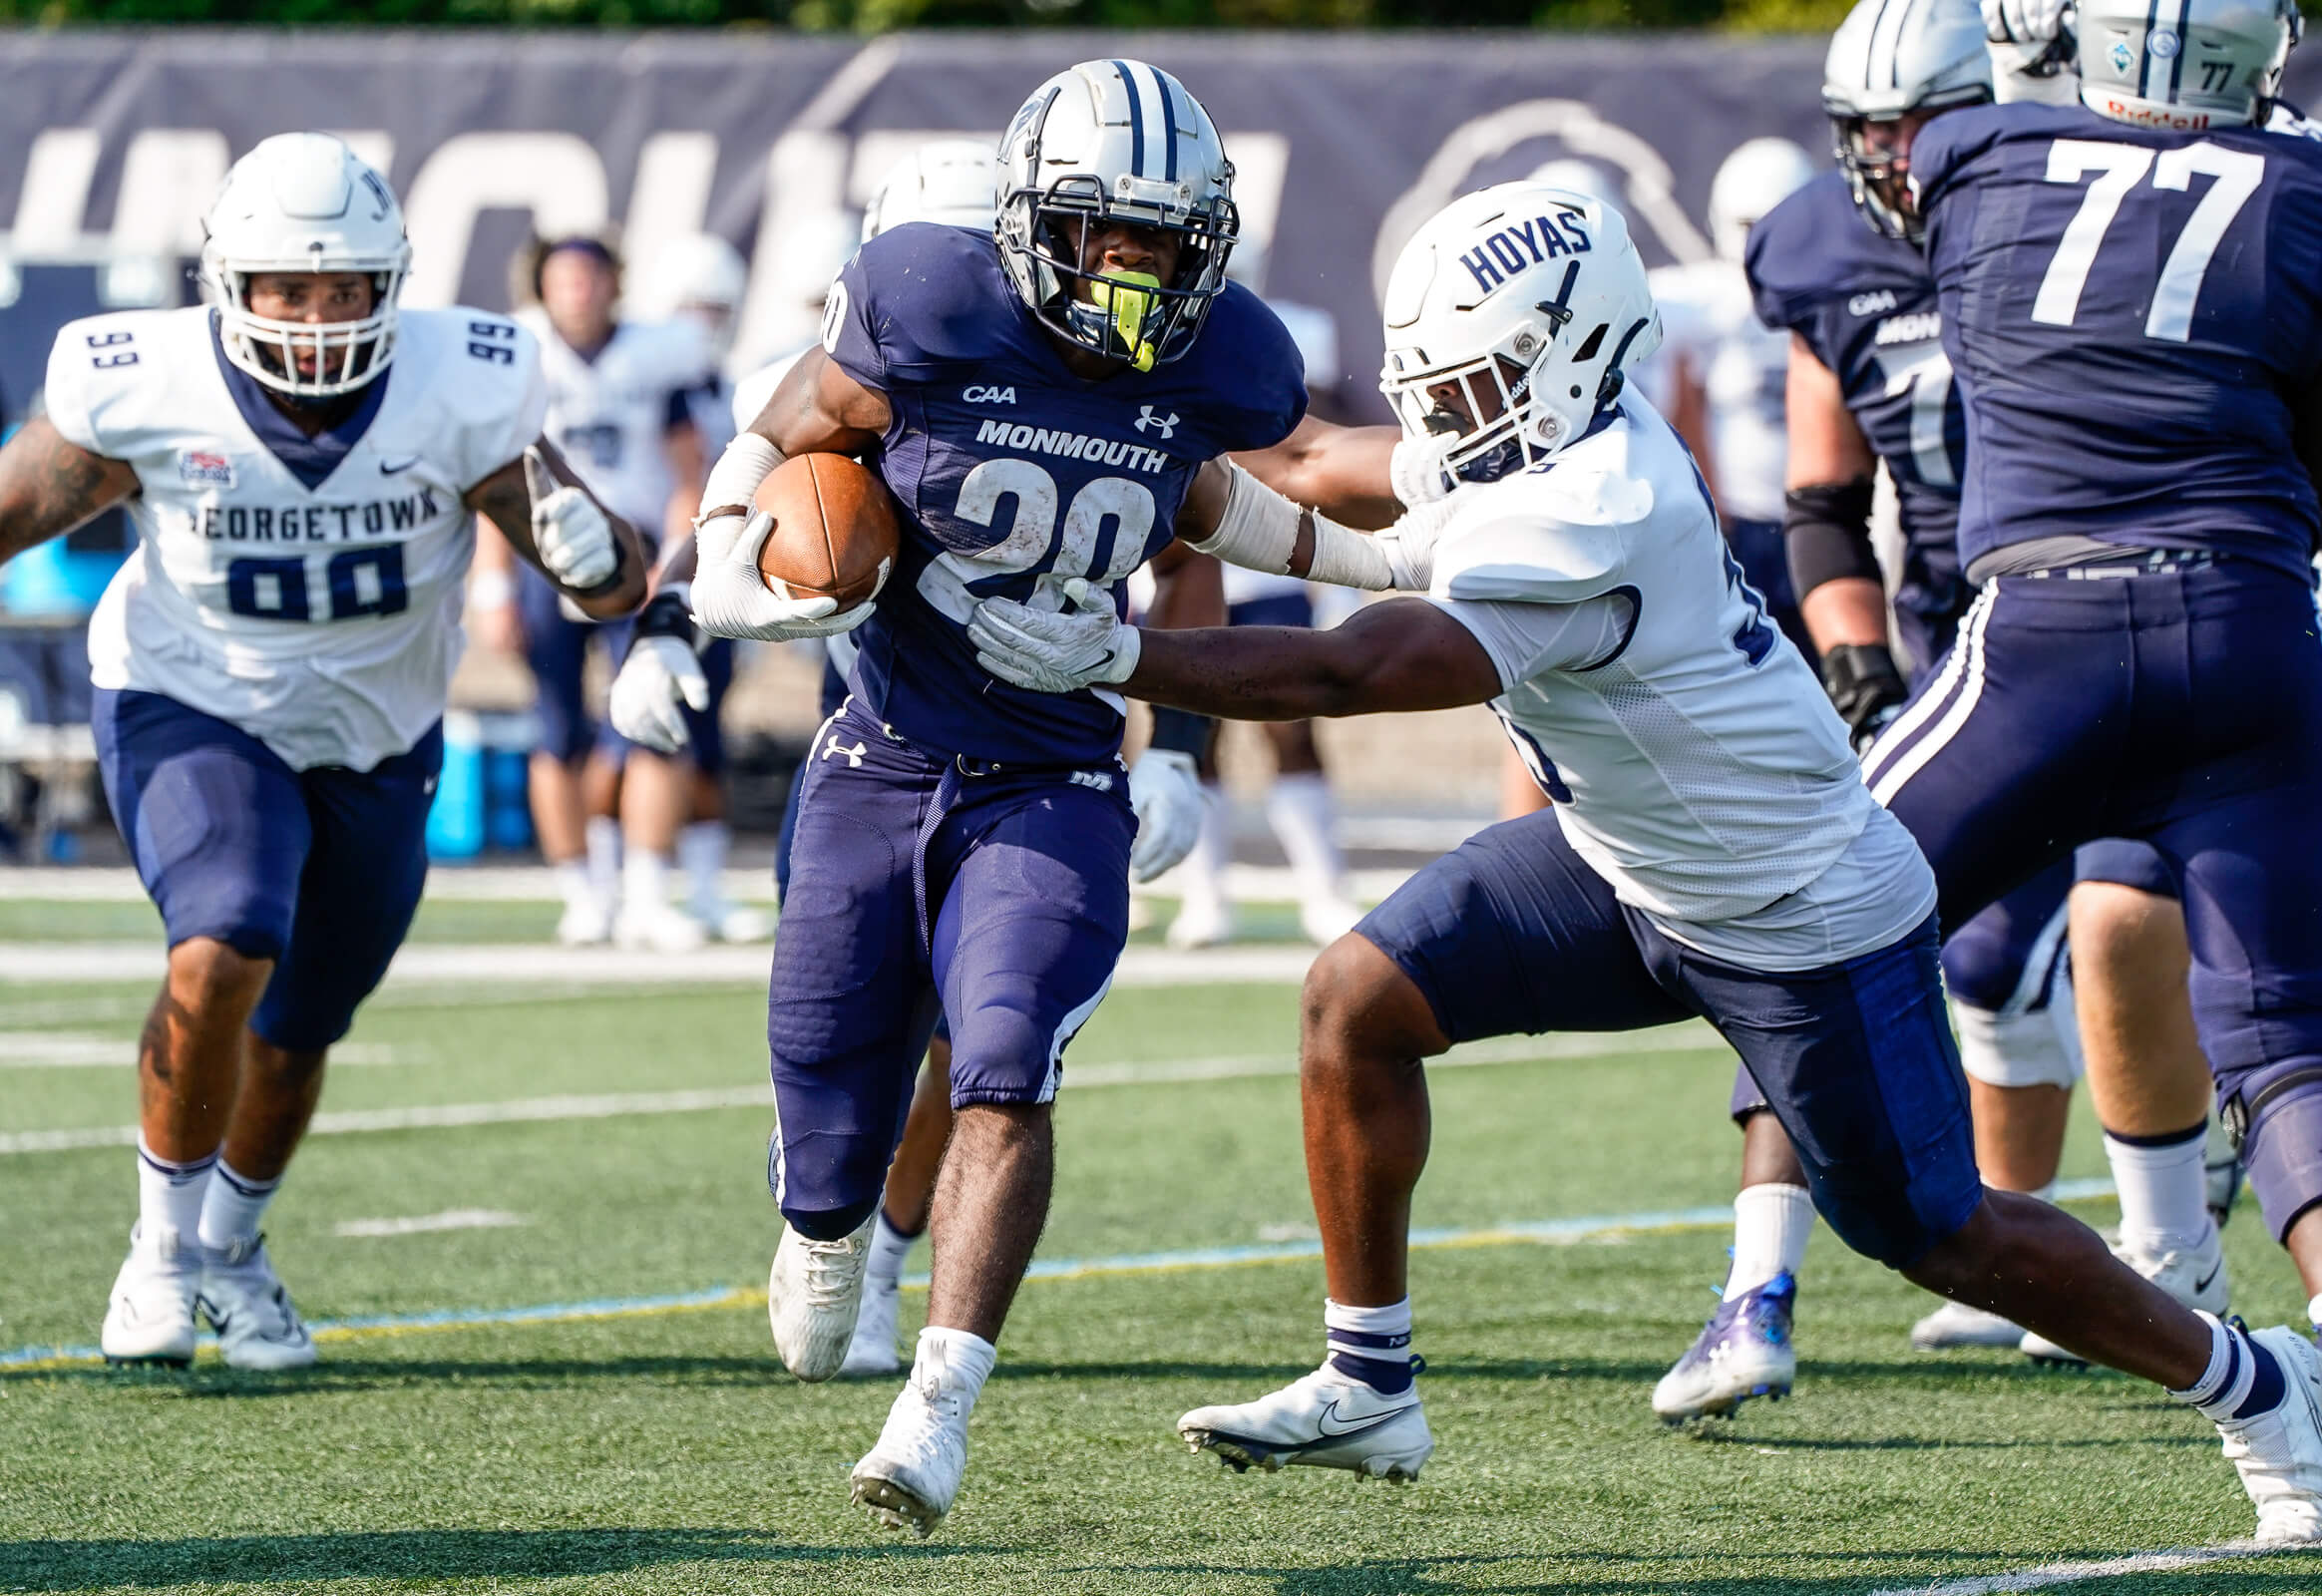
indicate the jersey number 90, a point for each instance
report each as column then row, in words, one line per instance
column 354, row 583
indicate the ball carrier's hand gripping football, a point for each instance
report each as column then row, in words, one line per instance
column 737, row 589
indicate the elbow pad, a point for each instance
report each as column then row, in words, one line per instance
column 1827, row 530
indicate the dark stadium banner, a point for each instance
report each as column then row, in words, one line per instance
column 113, row 142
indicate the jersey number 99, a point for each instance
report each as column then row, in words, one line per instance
column 355, row 583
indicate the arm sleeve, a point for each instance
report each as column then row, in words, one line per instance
column 850, row 328
column 1527, row 640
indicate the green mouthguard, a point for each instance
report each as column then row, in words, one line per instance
column 1129, row 296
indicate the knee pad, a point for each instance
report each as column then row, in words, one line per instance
column 2276, row 1116
column 2040, row 1048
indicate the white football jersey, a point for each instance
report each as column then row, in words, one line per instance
column 1744, row 369
column 1694, row 763
column 318, row 611
column 612, row 415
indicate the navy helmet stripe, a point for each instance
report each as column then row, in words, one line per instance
column 1136, row 120
column 2176, row 63
column 1168, row 128
column 2144, row 53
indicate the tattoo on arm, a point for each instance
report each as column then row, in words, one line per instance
column 49, row 486
column 505, row 499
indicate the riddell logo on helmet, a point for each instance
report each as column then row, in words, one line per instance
column 2147, row 115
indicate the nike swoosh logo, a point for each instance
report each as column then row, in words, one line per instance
column 390, row 468
column 2203, row 1285
column 1322, row 1420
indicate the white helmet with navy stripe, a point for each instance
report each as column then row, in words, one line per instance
column 1511, row 318
column 304, row 202
column 1115, row 141
column 952, row 182
column 2184, row 63
column 1888, row 60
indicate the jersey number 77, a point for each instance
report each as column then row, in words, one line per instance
column 2118, row 167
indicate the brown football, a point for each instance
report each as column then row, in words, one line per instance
column 834, row 526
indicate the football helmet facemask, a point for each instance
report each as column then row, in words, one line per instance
column 1888, row 61
column 1526, row 303
column 1102, row 144
column 304, row 202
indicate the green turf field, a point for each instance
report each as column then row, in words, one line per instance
column 665, row 1450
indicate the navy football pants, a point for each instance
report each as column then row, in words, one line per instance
column 2181, row 708
column 999, row 901
column 317, row 869
column 1512, row 932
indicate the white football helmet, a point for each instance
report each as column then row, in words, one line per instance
column 953, row 181
column 1755, row 178
column 1105, row 141
column 1533, row 302
column 2209, row 63
column 1888, row 60
column 1585, row 177
column 304, row 202
column 701, row 275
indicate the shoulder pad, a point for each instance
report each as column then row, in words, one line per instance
column 482, row 372
column 1803, row 252
column 1949, row 141
column 106, row 373
column 1554, row 536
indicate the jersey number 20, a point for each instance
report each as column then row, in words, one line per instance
column 1035, row 541
column 2234, row 176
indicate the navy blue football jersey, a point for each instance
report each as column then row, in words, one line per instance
column 2133, row 314
column 1865, row 305
column 1014, row 475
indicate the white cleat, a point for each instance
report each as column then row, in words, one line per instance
column 1957, row 1325
column 657, row 929
column 149, row 1319
column 1200, row 924
column 911, row 1477
column 813, row 1295
column 1744, row 1351
column 735, row 923
column 2279, row 1454
column 2196, row 1279
column 585, row 924
column 257, row 1325
column 1321, row 1421
column 872, row 1351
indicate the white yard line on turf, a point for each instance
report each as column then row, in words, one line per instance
column 68, row 1049
column 2048, row 1574
column 443, row 964
column 1689, row 1037
column 422, row 1224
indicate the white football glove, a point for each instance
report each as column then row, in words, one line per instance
column 732, row 599
column 1055, row 650
column 1165, row 791
column 658, row 680
column 1416, row 472
column 570, row 534
column 2024, row 21
column 1410, row 545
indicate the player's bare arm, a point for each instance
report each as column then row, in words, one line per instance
column 1344, row 472
column 1829, row 457
column 507, row 499
column 1189, row 590
column 49, row 486
column 1394, row 658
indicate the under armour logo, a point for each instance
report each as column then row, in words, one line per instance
column 1167, row 424
column 834, row 748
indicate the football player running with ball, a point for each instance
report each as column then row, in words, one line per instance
column 1044, row 405
column 303, row 462
column 1711, row 849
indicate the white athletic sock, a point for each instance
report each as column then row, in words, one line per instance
column 1770, row 1227
column 702, row 851
column 234, row 1205
column 965, row 1358
column 574, row 885
column 2243, row 1381
column 1204, row 869
column 2164, row 1189
column 168, row 1193
column 888, row 1248
column 605, row 859
column 1305, row 818
column 645, row 880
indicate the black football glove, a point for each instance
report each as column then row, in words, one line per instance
column 1864, row 687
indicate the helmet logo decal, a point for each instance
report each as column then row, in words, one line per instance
column 2163, row 43
column 2123, row 57
column 1504, row 252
